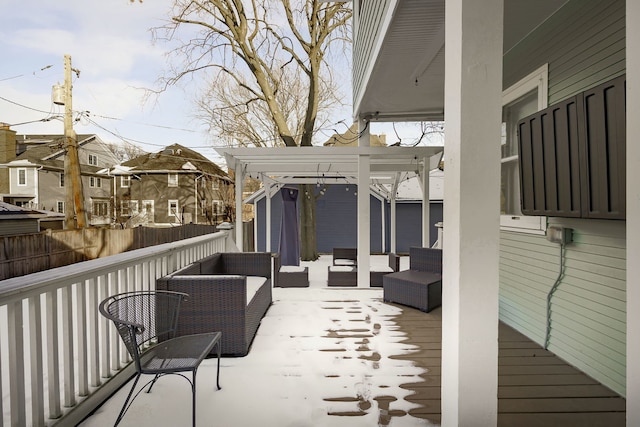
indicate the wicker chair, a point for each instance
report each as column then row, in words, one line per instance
column 147, row 322
column 345, row 256
column 421, row 285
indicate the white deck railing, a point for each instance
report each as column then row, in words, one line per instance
column 58, row 357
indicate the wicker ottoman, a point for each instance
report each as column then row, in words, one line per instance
column 339, row 275
column 293, row 276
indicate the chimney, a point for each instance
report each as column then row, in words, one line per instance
column 7, row 153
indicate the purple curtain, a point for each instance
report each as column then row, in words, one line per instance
column 289, row 241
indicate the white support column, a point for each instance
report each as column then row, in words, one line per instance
column 426, row 206
column 633, row 212
column 364, row 220
column 268, row 191
column 364, row 133
column 383, row 235
column 393, row 220
column 473, row 90
column 239, row 232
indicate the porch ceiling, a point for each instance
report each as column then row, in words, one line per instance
column 406, row 82
column 298, row 165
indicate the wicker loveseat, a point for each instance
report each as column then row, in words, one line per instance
column 228, row 292
column 421, row 285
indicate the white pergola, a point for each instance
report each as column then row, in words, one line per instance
column 280, row 166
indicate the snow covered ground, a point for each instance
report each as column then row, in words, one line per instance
column 321, row 357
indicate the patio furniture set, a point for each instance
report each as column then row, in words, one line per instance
column 214, row 307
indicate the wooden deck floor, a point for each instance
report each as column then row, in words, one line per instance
column 535, row 388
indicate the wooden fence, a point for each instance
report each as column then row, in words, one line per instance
column 30, row 253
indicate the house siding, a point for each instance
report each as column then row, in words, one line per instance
column 584, row 46
column 9, row 227
column 371, row 15
column 583, row 43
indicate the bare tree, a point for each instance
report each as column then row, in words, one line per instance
column 125, row 151
column 235, row 118
column 240, row 44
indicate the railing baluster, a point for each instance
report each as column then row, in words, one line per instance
column 35, row 350
column 16, row 364
column 67, row 347
column 53, row 369
column 115, row 341
column 105, row 367
column 93, row 332
column 1, row 394
column 81, row 322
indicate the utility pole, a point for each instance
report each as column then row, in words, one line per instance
column 74, row 200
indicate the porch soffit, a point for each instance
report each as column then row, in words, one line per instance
column 298, row 165
column 407, row 78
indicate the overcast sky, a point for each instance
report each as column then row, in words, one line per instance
column 110, row 43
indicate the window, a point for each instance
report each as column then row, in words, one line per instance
column 172, row 179
column 173, row 212
column 22, row 177
column 133, row 207
column 95, row 182
column 520, row 100
column 60, row 207
column 124, row 208
column 125, row 181
column 93, row 160
column 61, row 180
column 100, row 208
column 215, row 185
column 129, row 208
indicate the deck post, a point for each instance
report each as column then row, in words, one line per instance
column 473, row 92
column 239, row 174
column 633, row 212
column 364, row 206
column 364, row 220
column 426, row 204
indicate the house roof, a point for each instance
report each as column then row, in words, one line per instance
column 9, row 211
column 349, row 138
column 176, row 158
column 46, row 150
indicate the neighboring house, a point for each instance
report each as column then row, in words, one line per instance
column 350, row 139
column 563, row 66
column 173, row 186
column 336, row 215
column 16, row 220
column 32, row 168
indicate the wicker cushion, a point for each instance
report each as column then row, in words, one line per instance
column 341, row 268
column 253, row 284
column 292, row 269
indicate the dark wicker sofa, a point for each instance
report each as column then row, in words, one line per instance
column 228, row 292
column 421, row 285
